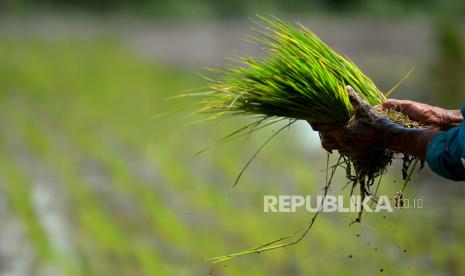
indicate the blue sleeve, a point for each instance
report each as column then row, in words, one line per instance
column 445, row 154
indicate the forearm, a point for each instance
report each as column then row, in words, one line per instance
column 410, row 141
column 415, row 141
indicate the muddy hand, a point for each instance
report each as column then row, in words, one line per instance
column 364, row 132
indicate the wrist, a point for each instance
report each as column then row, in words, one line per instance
column 410, row 141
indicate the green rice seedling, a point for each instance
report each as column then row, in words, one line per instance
column 301, row 78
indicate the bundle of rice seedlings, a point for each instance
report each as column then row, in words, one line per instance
column 301, row 78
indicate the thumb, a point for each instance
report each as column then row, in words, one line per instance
column 360, row 106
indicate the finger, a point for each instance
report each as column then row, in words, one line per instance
column 350, row 152
column 390, row 104
column 315, row 126
column 329, row 147
column 378, row 107
column 328, row 143
column 327, row 137
column 360, row 106
column 397, row 105
column 330, row 139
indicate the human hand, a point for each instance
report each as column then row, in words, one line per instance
column 432, row 117
column 366, row 131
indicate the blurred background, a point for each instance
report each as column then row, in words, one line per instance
column 94, row 182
